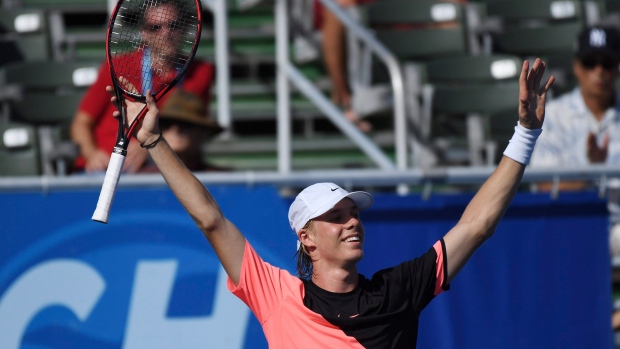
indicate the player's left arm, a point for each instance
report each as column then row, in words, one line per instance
column 485, row 210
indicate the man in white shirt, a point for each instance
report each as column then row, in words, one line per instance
column 582, row 127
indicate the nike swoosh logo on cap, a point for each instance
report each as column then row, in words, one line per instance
column 334, row 189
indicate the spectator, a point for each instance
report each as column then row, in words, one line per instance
column 334, row 54
column 93, row 127
column 582, row 127
column 186, row 126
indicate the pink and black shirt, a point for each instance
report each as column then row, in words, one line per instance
column 382, row 312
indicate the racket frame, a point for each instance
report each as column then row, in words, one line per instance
column 117, row 159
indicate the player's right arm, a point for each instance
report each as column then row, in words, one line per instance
column 226, row 239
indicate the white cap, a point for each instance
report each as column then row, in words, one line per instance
column 320, row 198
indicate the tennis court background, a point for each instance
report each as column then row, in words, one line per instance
column 150, row 280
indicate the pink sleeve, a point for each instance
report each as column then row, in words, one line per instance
column 440, row 268
column 261, row 285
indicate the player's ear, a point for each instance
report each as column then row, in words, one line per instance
column 303, row 235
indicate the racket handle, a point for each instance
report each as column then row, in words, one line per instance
column 108, row 189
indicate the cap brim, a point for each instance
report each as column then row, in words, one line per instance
column 599, row 51
column 362, row 199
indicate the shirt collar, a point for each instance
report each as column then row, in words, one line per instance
column 611, row 114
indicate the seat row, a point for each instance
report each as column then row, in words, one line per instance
column 462, row 61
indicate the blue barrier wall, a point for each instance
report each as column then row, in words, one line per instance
column 148, row 279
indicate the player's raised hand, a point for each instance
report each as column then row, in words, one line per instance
column 149, row 125
column 532, row 95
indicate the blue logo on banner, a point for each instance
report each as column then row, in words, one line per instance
column 146, row 280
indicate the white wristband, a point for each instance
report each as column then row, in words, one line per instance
column 522, row 144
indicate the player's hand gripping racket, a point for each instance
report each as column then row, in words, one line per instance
column 150, row 44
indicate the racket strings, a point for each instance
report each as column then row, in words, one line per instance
column 151, row 42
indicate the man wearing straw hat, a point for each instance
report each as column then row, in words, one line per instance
column 185, row 123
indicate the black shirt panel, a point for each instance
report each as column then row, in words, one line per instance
column 381, row 312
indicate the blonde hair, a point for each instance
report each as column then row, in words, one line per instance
column 304, row 262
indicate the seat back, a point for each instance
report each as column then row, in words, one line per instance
column 51, row 75
column 42, row 108
column 540, row 28
column 419, row 29
column 19, row 150
column 473, row 68
column 50, row 91
column 26, row 32
column 480, row 113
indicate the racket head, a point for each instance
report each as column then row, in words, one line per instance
column 151, row 44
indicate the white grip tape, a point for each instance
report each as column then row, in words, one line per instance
column 109, row 188
column 522, row 144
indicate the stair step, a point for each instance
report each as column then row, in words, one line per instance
column 323, row 151
column 269, row 162
column 259, row 144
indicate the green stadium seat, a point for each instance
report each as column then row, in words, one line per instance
column 320, row 152
column 51, row 75
column 25, row 30
column 82, row 6
column 409, row 28
column 540, row 28
column 444, row 68
column 19, row 150
column 491, row 89
column 49, row 95
column 46, row 108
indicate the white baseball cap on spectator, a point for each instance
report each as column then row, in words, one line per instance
column 320, row 198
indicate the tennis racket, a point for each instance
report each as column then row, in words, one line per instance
column 150, row 44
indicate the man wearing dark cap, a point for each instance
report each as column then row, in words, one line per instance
column 582, row 127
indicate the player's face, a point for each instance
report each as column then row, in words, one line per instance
column 161, row 32
column 596, row 75
column 339, row 235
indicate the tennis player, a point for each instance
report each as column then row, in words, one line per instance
column 331, row 305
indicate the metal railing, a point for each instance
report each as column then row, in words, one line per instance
column 220, row 14
column 287, row 72
column 600, row 175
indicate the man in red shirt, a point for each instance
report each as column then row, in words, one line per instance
column 93, row 127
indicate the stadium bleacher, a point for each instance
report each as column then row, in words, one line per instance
column 458, row 84
column 455, row 63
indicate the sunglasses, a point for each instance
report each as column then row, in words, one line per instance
column 154, row 28
column 606, row 62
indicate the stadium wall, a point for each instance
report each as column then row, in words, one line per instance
column 149, row 279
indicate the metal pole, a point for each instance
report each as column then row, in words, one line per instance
column 400, row 124
column 283, row 88
column 223, row 72
column 328, row 108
